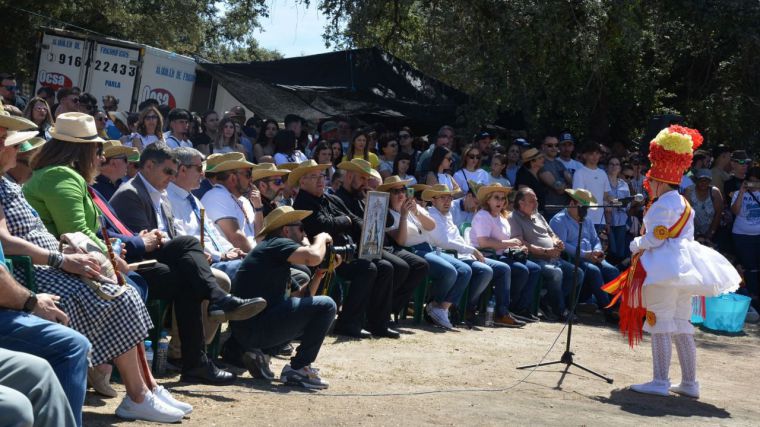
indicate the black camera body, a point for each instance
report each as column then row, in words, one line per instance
column 516, row 254
column 347, row 252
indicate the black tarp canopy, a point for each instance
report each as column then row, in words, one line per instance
column 369, row 84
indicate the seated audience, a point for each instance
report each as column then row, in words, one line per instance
column 227, row 139
column 270, row 182
column 402, row 167
column 498, row 172
column 149, row 131
column 21, row 173
column 178, row 134
column 113, row 171
column 286, row 148
column 470, row 169
column 554, row 177
column 388, row 147
column 359, row 148
column 264, row 145
column 441, row 163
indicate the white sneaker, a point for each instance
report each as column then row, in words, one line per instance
column 656, row 387
column 151, row 409
column 690, row 389
column 166, row 397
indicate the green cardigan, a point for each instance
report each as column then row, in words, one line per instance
column 60, row 196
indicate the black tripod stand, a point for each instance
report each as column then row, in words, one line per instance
column 567, row 356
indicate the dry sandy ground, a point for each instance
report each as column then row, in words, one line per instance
column 430, row 377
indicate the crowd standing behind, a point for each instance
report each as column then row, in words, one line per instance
column 497, row 219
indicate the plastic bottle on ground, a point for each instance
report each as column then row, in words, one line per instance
column 490, row 311
column 149, row 352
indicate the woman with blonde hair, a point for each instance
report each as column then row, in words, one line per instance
column 227, row 139
column 38, row 111
column 149, row 129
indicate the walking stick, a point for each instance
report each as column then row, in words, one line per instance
column 203, row 227
column 111, row 255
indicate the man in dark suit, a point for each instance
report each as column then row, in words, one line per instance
column 183, row 273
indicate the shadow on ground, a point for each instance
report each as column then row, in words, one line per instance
column 658, row 406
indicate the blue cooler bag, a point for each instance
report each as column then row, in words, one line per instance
column 726, row 313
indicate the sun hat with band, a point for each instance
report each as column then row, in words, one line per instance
column 671, row 153
column 304, row 168
column 216, row 159
column 31, row 144
column 265, row 170
column 75, row 127
column 393, row 182
column 486, row 190
column 280, row 217
column 435, row 191
column 360, row 166
column 530, row 154
column 582, row 196
column 229, row 165
column 113, row 148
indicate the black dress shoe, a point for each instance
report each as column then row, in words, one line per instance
column 386, row 333
column 351, row 332
column 207, row 373
column 234, row 308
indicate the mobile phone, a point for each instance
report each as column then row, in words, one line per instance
column 410, row 193
column 753, row 185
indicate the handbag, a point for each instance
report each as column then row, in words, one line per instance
column 80, row 243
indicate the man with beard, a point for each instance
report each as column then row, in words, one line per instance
column 269, row 181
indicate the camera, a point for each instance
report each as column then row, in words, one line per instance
column 516, row 254
column 347, row 252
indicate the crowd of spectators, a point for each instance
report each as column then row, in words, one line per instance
column 229, row 218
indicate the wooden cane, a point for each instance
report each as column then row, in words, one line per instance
column 111, row 255
column 203, row 227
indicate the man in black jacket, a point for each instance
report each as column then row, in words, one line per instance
column 370, row 282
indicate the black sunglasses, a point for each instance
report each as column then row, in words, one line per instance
column 275, row 181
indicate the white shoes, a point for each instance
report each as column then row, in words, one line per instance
column 686, row 389
column 167, row 398
column 440, row 316
column 656, row 387
column 151, row 409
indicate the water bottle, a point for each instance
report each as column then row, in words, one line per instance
column 149, row 352
column 490, row 311
column 162, row 353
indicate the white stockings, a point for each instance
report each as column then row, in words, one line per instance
column 661, row 352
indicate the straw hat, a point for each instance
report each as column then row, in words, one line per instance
column 359, row 166
column 531, row 154
column 373, row 173
column 215, row 159
column 582, row 196
column 113, row 148
column 289, row 166
column 420, row 187
column 32, row 144
column 75, row 127
column 13, row 137
column 393, row 182
column 436, row 190
column 133, row 156
column 13, row 123
column 486, row 190
column 118, row 116
column 229, row 165
column 281, row 216
column 264, row 170
column 303, row 169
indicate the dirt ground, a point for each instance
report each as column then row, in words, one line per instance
column 431, row 377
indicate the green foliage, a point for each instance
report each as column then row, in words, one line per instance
column 192, row 27
column 599, row 67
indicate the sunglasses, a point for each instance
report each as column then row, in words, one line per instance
column 404, row 135
column 40, row 108
column 743, row 162
column 275, row 181
column 473, row 156
column 551, row 145
column 99, row 152
column 11, row 88
column 628, row 176
column 246, row 172
column 102, row 119
column 169, row 171
column 398, row 190
column 151, row 117
column 198, row 168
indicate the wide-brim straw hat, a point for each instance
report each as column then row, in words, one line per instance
column 113, row 148
column 14, row 123
column 582, row 196
column 420, row 187
column 119, row 116
column 303, row 169
column 281, row 216
column 31, row 144
column 265, row 170
column 13, row 137
column 357, row 165
column 75, row 127
column 393, row 182
column 291, row 166
column 229, row 165
column 435, row 191
column 133, row 156
column 530, row 154
column 216, row 159
column 486, row 190
column 373, row 173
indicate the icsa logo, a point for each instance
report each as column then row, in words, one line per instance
column 54, row 80
column 163, row 96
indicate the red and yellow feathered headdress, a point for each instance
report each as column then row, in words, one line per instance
column 671, row 152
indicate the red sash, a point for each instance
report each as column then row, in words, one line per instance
column 103, row 206
column 627, row 287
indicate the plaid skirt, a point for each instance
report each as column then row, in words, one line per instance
column 113, row 327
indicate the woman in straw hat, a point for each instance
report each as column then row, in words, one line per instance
column 21, row 173
column 669, row 267
column 410, row 228
column 527, row 176
column 491, row 230
column 115, row 327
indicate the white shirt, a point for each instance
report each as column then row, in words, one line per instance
column 296, row 157
column 572, row 165
column 156, row 197
column 597, row 182
column 415, row 234
column 748, row 220
column 187, row 223
column 479, row 176
column 445, row 235
column 174, row 142
column 146, row 140
column 221, row 204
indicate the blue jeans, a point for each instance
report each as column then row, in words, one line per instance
column 64, row 348
column 525, row 278
column 482, row 273
column 450, row 276
column 307, row 319
column 748, row 252
column 230, row 268
column 558, row 281
column 595, row 276
column 618, row 241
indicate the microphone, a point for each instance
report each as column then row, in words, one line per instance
column 638, row 198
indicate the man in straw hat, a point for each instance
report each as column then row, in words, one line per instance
column 114, row 169
column 292, row 312
column 406, row 268
column 669, row 267
column 237, row 216
column 333, row 217
column 270, row 182
column 596, row 270
column 212, row 160
column 26, row 151
column 182, row 273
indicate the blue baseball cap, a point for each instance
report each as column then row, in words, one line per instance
column 522, row 142
column 483, row 135
column 566, row 136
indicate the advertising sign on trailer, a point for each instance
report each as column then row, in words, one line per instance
column 167, row 77
column 113, row 70
column 60, row 62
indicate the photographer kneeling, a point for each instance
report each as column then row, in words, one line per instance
column 290, row 314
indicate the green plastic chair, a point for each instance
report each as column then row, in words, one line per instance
column 24, row 263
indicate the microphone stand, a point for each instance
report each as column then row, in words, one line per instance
column 567, row 356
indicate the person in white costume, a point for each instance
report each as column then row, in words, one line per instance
column 669, row 267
